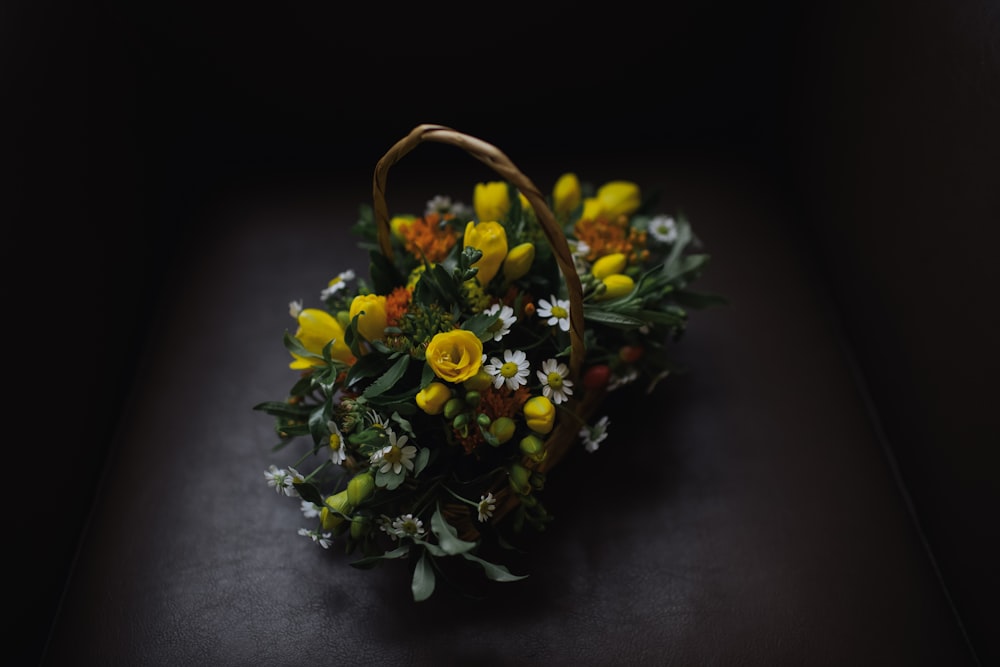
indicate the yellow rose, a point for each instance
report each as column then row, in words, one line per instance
column 540, row 414
column 341, row 503
column 566, row 194
column 431, row 399
column 491, row 200
column 616, row 285
column 518, row 261
column 372, row 323
column 455, row 356
column 609, row 264
column 491, row 239
column 619, row 198
column 316, row 329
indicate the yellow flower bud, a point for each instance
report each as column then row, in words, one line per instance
column 478, row 382
column 566, row 194
column 398, row 222
column 502, row 429
column 619, row 198
column 540, row 414
column 518, row 261
column 316, row 329
column 491, row 238
column 609, row 264
column 431, row 399
column 456, row 355
column 491, row 200
column 519, row 478
column 341, row 503
column 360, row 488
column 525, row 204
column 592, row 208
column 616, row 285
column 372, row 323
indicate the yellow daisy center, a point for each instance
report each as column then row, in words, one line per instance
column 394, row 455
column 559, row 311
column 555, row 380
column 509, row 369
column 334, row 441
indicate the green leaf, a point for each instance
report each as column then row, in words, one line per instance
column 282, row 409
column 426, row 375
column 423, row 578
column 420, row 462
column 293, row 344
column 317, row 426
column 389, row 378
column 698, row 299
column 612, row 318
column 310, row 493
column 371, row 561
column 384, row 274
column 493, row 571
column 448, row 536
column 480, row 324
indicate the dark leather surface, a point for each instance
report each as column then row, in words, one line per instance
column 752, row 516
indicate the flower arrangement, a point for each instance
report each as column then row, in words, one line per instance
column 435, row 397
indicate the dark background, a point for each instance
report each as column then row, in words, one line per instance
column 874, row 122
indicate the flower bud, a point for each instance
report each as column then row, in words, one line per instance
column 432, row 398
column 360, row 488
column 491, row 200
column 616, row 285
column 540, row 414
column 619, row 198
column 460, row 420
column 360, row 526
column 490, row 238
column 533, row 447
column 479, row 381
column 503, row 429
column 597, row 377
column 372, row 322
column 472, row 398
column 316, row 329
column 341, row 503
column 609, row 264
column 483, row 419
column 566, row 194
column 518, row 261
column 453, row 408
column 519, row 478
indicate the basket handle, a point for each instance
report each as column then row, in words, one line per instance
column 494, row 158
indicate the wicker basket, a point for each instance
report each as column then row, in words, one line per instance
column 585, row 402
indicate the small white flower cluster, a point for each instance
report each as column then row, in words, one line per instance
column 283, row 481
column 593, row 436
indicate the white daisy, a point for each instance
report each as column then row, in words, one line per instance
column 487, row 505
column 619, row 381
column 594, row 435
column 556, row 310
column 294, row 308
column 396, row 455
column 336, row 284
column 513, row 370
column 506, row 321
column 443, row 205
column 277, row 478
column 663, row 228
column 407, row 525
column 338, row 453
column 322, row 539
column 310, row 510
column 555, row 385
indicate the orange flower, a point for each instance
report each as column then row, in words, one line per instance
column 396, row 305
column 605, row 237
column 430, row 238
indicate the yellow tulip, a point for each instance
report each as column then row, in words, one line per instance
column 431, row 399
column 566, row 194
column 360, row 488
column 609, row 264
column 456, row 355
column 518, row 261
column 491, row 200
column 372, row 322
column 616, row 285
column 540, row 414
column 619, row 198
column 316, row 329
column 339, row 502
column 490, row 238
